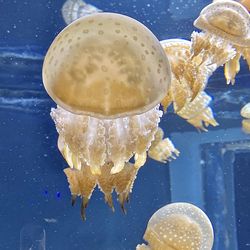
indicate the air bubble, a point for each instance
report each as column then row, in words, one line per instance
column 100, row 24
column 146, row 52
column 85, row 31
column 116, row 23
column 142, row 44
column 135, row 38
column 100, row 32
column 117, row 31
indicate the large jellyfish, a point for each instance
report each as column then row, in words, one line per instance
column 225, row 24
column 107, row 73
column 179, row 226
column 189, row 79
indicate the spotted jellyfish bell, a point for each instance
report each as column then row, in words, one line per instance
column 225, row 24
column 189, row 79
column 74, row 9
column 108, row 73
column 180, row 226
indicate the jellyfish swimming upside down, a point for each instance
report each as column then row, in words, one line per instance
column 108, row 74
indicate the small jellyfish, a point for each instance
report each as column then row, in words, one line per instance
column 180, row 226
column 189, row 79
column 226, row 26
column 74, row 9
column 108, row 100
column 245, row 113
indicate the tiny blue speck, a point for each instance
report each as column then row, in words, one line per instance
column 46, row 192
column 58, row 194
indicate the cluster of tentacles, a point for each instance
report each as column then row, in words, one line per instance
column 224, row 39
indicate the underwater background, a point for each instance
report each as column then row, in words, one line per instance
column 211, row 172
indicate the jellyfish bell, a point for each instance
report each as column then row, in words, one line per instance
column 106, row 65
column 178, row 226
column 227, row 19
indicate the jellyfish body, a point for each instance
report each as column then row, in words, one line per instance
column 225, row 24
column 180, row 226
column 75, row 9
column 107, row 73
column 189, row 79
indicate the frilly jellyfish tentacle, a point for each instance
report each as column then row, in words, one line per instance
column 225, row 24
column 82, row 183
column 190, row 73
column 180, row 226
column 162, row 150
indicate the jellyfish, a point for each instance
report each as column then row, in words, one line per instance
column 180, row 226
column 108, row 74
column 245, row 113
column 225, row 25
column 74, row 9
column 189, row 79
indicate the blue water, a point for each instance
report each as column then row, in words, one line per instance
column 212, row 171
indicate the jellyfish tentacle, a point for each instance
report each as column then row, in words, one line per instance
column 162, row 150
column 232, row 68
column 198, row 113
column 189, row 99
column 246, row 55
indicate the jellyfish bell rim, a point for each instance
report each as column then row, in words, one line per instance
column 175, row 42
column 202, row 22
column 140, row 110
column 178, row 209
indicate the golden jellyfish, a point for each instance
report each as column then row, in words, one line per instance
column 108, row 74
column 189, row 79
column 179, row 226
column 74, row 9
column 225, row 24
column 245, row 113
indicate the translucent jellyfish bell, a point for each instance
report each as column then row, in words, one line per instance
column 106, row 65
column 180, row 226
column 226, row 19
